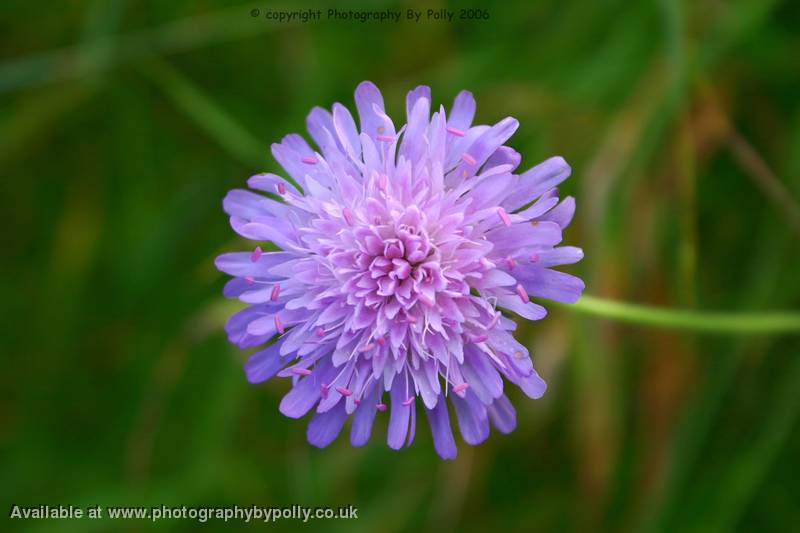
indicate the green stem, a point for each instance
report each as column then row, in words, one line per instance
column 703, row 321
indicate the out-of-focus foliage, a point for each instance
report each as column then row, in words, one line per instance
column 123, row 123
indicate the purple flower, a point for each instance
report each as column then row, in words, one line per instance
column 396, row 259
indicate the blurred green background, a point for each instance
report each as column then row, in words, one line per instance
column 123, row 123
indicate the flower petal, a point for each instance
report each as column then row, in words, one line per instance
column 503, row 415
column 439, row 420
column 265, row 363
column 462, row 112
column 398, row 418
column 414, row 145
column 550, row 284
column 325, row 427
column 481, row 376
column 242, row 264
column 473, row 421
column 368, row 97
column 303, row 396
column 365, row 416
column 536, row 181
column 562, row 214
column 249, row 205
column 271, row 183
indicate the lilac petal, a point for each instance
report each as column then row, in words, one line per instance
column 248, row 205
column 481, row 376
column 563, row 255
column 303, row 396
column 368, row 97
column 439, row 420
column 457, row 149
column 263, row 326
column 490, row 191
column 277, row 230
column 562, row 214
column 319, row 124
column 504, row 155
column 536, row 181
column 292, row 160
column 346, row 131
column 428, row 389
column 437, row 139
column 413, row 145
column 503, row 415
column 364, row 417
column 485, row 145
column 507, row 239
column 235, row 287
column 242, row 264
column 473, row 421
column 265, row 363
column 412, row 427
column 533, row 385
column 550, row 284
column 462, row 112
column 398, row 419
column 528, row 310
column 271, row 183
column 325, row 427
column 504, row 341
column 413, row 97
column 236, row 326
column 539, row 208
column 494, row 278
column 372, row 159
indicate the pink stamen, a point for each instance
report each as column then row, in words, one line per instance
column 383, row 182
column 256, row 255
column 249, row 280
column 279, row 325
column 461, row 387
column 510, row 262
column 343, row 391
column 281, row 188
column 319, row 332
column 300, row 371
column 503, row 216
column 276, row 291
column 468, row 159
column 348, row 215
column 522, row 294
column 367, row 347
column 357, row 402
column 408, row 401
column 380, row 340
column 385, row 138
column 534, row 258
column 455, row 131
column 411, row 319
column 310, row 160
column 323, row 390
column 380, row 407
column 477, row 339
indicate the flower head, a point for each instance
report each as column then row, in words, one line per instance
column 398, row 257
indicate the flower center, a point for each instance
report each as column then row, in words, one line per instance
column 395, row 264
